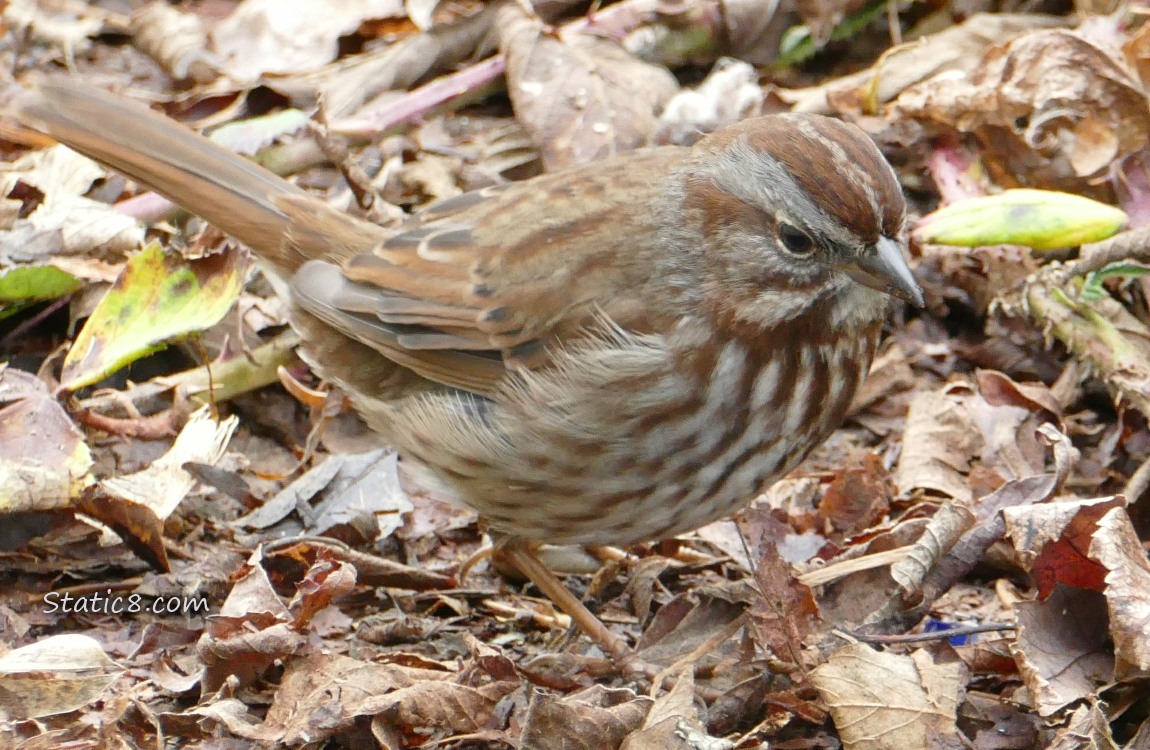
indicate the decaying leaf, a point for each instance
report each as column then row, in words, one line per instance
column 1060, row 647
column 955, row 48
column 581, row 97
column 56, row 675
column 1117, row 547
column 44, row 459
column 939, row 442
column 290, row 36
column 1043, row 106
column 157, row 298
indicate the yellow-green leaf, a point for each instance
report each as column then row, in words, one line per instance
column 1041, row 219
column 157, row 298
column 35, row 284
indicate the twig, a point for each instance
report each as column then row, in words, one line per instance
column 1131, row 245
column 992, row 627
column 1138, row 483
column 228, row 379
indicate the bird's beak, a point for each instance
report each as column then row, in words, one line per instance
column 884, row 269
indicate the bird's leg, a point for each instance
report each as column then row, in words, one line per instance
column 522, row 557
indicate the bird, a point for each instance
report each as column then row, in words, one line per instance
column 613, row 352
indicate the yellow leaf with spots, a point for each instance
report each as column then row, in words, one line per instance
column 158, row 297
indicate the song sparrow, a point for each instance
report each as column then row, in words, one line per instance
column 616, row 352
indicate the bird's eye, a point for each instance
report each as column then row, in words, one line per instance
column 795, row 240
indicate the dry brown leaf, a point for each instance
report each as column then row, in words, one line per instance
column 785, row 612
column 1060, row 647
column 176, row 40
column 165, row 482
column 857, row 497
column 64, row 223
column 1053, row 540
column 1117, row 547
column 956, row 48
column 754, row 29
column 999, row 389
column 998, row 723
column 682, row 625
column 939, row 444
column 304, row 710
column 885, row 701
column 673, row 722
column 594, row 718
column 290, row 36
column 581, row 97
column 1043, row 106
column 251, row 632
column 56, row 675
column 945, row 528
column 44, row 460
column 1087, row 729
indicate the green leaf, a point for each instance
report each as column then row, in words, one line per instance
column 157, row 298
column 1041, row 219
column 36, row 284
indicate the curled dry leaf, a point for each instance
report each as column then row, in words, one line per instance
column 304, row 712
column 253, row 629
column 1117, row 548
column 581, row 97
column 595, row 717
column 1049, row 109
column 1137, row 51
column 176, row 40
column 754, row 29
column 784, row 612
column 673, row 721
column 64, row 222
column 1053, row 541
column 857, row 498
column 1000, row 389
column 957, row 48
column 165, row 482
column 947, row 525
column 1088, row 727
column 69, row 27
column 952, row 432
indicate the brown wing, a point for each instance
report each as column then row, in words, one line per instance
column 470, row 288
column 485, row 282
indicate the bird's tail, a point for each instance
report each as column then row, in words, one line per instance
column 283, row 224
